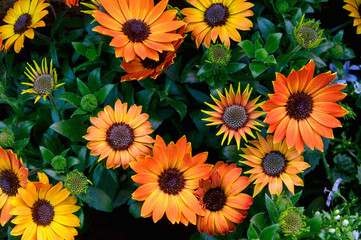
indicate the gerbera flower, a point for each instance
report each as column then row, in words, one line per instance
column 21, row 21
column 303, row 107
column 12, row 177
column 44, row 211
column 273, row 163
column 222, row 199
column 139, row 69
column 138, row 27
column 235, row 113
column 217, row 18
column 1, row 45
column 168, row 180
column 44, row 79
column 353, row 6
column 71, row 3
column 120, row 135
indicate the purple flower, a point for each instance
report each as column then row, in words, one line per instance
column 346, row 76
column 334, row 189
column 356, row 234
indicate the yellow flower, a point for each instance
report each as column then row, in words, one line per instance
column 353, row 6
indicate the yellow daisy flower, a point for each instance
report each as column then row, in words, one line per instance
column 354, row 7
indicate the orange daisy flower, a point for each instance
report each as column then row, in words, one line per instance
column 222, row 199
column 235, row 113
column 211, row 19
column 1, row 45
column 138, row 27
column 303, row 107
column 13, row 176
column 168, row 180
column 120, row 135
column 71, row 3
column 273, row 163
column 139, row 69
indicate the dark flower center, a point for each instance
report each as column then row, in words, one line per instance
column 308, row 34
column 152, row 64
column 214, row 199
column 42, row 212
column 171, row 181
column 274, row 163
column 235, row 116
column 136, row 30
column 216, row 15
column 43, row 84
column 9, row 182
column 22, row 23
column 120, row 136
column 299, row 105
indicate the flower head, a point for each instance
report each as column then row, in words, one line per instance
column 354, row 6
column 168, row 179
column 355, row 234
column 212, row 19
column 6, row 137
column 235, row 113
column 307, row 34
column 292, row 222
column 76, row 182
column 303, row 108
column 13, row 176
column 219, row 54
column 71, row 3
column 222, row 199
column 21, row 21
column 44, row 211
column 95, row 5
column 345, row 74
column 44, row 80
column 331, row 193
column 120, row 135
column 138, row 27
column 273, row 164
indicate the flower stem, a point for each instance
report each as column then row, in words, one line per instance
column 52, row 100
column 342, row 25
column 42, row 36
column 327, row 168
column 34, row 171
column 171, row 75
column 294, row 51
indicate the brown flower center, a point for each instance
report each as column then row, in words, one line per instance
column 299, row 105
column 214, row 199
column 216, row 15
column 22, row 23
column 171, row 181
column 308, row 34
column 120, row 136
column 42, row 212
column 152, row 64
column 274, row 163
column 136, row 30
column 9, row 182
column 43, row 84
column 235, row 117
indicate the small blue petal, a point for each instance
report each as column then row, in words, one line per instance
column 333, row 68
column 351, row 78
column 336, row 184
column 355, row 67
column 342, row 81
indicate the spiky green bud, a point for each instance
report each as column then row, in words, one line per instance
column 76, row 182
column 89, row 102
column 308, row 34
column 219, row 54
column 6, row 137
column 292, row 222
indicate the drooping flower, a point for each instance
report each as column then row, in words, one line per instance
column 354, row 6
column 21, row 21
column 273, row 164
column 168, row 180
column 44, row 80
column 219, row 54
column 308, row 34
column 303, row 108
column 235, row 113
column 292, row 222
column 334, row 190
column 217, row 18
column 13, row 176
column 44, row 211
column 120, row 135
column 138, row 27
column 222, row 199
column 139, row 69
column 71, row 3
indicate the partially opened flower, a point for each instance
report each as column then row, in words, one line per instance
column 235, row 113
column 21, row 21
column 44, row 80
column 168, row 180
column 119, row 135
column 13, row 176
column 354, row 7
column 138, row 27
column 303, row 107
column 95, row 5
column 222, row 199
column 308, row 34
column 71, row 3
column 273, row 164
column 293, row 222
column 44, row 211
column 217, row 18
column 219, row 54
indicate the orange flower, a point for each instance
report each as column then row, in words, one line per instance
column 303, row 107
column 12, row 177
column 235, row 113
column 168, row 180
column 222, row 200
column 138, row 27
column 1, row 45
column 71, row 3
column 120, row 135
column 273, row 163
column 139, row 69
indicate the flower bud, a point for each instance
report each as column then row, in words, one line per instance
column 6, row 137
column 76, row 182
column 307, row 34
column 345, row 223
column 337, row 217
column 89, row 102
column 332, row 230
column 219, row 54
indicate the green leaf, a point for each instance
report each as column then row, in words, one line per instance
column 134, row 209
column 97, row 199
column 53, row 54
column 57, row 22
column 205, row 69
column 314, row 225
column 296, row 197
column 25, row 129
column 235, row 67
column 266, row 27
column 257, row 68
column 46, row 153
column 70, row 97
column 58, row 163
column 231, row 152
column 273, row 42
column 270, row 60
column 179, row 106
column 72, row 161
column 251, row 232
column 358, row 175
column 198, row 95
column 84, row 90
column 97, row 175
column 71, row 128
column 272, row 209
column 259, row 221
column 91, row 54
column 71, row 36
column 260, row 54
column 248, row 48
column 20, row 144
column 103, row 93
column 94, row 80
column 80, row 48
column 78, row 111
column 269, row 232
column 143, row 97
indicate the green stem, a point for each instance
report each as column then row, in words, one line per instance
column 342, row 25
column 171, row 75
column 42, row 36
column 34, row 171
column 52, row 100
column 295, row 50
column 327, row 168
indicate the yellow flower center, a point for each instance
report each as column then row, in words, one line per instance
column 214, row 199
column 235, row 116
column 136, row 30
column 43, row 84
column 9, row 182
column 42, row 212
column 120, row 136
column 299, row 105
column 171, row 181
column 274, row 163
column 22, row 23
column 216, row 15
column 152, row 64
